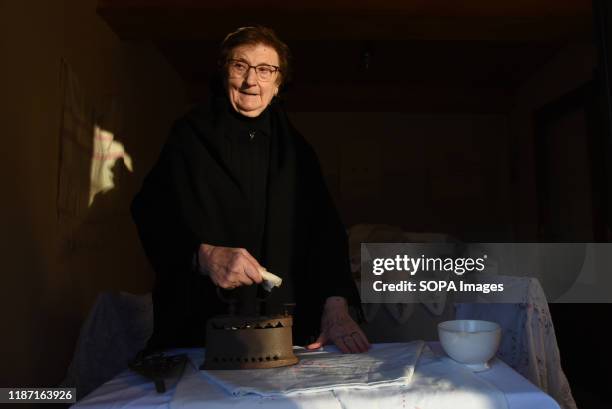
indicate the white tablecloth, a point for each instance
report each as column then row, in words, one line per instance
column 485, row 389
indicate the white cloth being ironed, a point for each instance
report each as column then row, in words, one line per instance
column 436, row 382
column 324, row 370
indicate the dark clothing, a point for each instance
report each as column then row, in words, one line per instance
column 194, row 195
column 247, row 155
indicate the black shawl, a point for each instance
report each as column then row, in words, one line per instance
column 190, row 197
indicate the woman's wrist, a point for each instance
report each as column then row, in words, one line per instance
column 203, row 258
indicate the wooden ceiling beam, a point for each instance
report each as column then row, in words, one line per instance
column 213, row 25
column 417, row 8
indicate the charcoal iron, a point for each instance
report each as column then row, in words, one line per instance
column 249, row 342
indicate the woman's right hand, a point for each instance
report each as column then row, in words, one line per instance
column 229, row 267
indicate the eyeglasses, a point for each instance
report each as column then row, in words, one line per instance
column 238, row 68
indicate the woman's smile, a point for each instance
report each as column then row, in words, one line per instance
column 247, row 93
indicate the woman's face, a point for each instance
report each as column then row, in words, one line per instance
column 248, row 94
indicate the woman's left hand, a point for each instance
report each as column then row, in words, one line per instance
column 338, row 326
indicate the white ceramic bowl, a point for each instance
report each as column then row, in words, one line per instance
column 470, row 342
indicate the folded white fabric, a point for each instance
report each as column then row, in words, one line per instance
column 318, row 371
column 438, row 382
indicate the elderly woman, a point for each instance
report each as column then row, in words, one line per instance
column 236, row 188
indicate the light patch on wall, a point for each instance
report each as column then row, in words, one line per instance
column 106, row 152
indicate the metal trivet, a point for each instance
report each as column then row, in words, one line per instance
column 159, row 368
